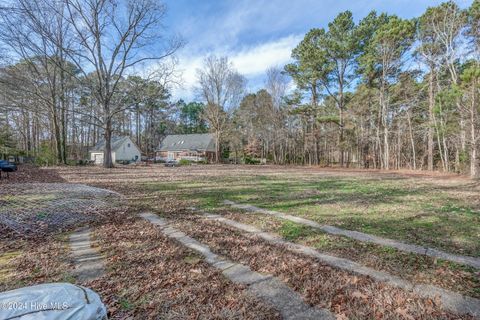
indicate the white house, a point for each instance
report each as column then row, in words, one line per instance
column 123, row 149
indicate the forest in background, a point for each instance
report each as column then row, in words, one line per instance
column 383, row 92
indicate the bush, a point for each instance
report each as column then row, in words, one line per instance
column 46, row 155
column 249, row 160
column 124, row 162
column 184, row 162
column 82, row 162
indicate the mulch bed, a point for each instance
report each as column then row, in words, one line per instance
column 348, row 296
column 151, row 277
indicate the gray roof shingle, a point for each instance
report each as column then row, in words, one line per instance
column 116, row 143
column 188, row 142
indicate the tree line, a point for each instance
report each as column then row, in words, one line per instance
column 382, row 92
column 69, row 78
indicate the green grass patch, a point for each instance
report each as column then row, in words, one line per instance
column 293, row 231
column 125, row 304
column 413, row 210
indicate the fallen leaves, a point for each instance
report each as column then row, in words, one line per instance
column 165, row 280
column 38, row 210
column 359, row 295
column 415, row 268
column 28, row 173
column 346, row 295
column 35, row 263
column 151, row 277
column 404, row 313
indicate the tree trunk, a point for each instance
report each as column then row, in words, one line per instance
column 137, row 125
column 217, row 146
column 64, row 128
column 342, row 151
column 474, row 157
column 107, row 156
column 57, row 135
column 412, row 142
column 386, row 147
column 431, row 105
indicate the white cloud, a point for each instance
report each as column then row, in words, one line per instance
column 243, row 30
column 256, row 60
column 188, row 67
column 250, row 61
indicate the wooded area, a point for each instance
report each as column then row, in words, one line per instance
column 383, row 93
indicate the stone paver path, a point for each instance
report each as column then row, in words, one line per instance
column 360, row 236
column 266, row 287
column 451, row 300
column 89, row 265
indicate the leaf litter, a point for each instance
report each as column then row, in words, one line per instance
column 354, row 296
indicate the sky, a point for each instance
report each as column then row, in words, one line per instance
column 259, row 34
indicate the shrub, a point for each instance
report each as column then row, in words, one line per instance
column 249, row 160
column 82, row 162
column 46, row 155
column 184, row 162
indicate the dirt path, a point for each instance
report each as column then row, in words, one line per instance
column 360, row 236
column 266, row 287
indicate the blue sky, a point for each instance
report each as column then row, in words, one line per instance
column 258, row 34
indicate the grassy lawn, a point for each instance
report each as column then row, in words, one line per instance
column 439, row 213
column 166, row 279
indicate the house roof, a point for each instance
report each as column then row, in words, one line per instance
column 116, row 142
column 190, row 142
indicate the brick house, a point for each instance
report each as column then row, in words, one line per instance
column 193, row 147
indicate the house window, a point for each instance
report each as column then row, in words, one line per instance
column 128, row 145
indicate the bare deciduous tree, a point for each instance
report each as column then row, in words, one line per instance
column 277, row 85
column 222, row 87
column 30, row 30
column 114, row 36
